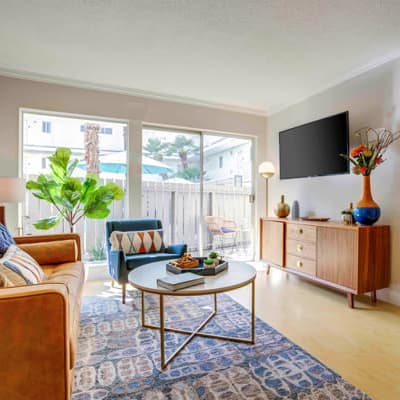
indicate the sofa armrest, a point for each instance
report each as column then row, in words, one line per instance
column 177, row 249
column 51, row 238
column 34, row 342
column 51, row 253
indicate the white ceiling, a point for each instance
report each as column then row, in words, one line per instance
column 257, row 55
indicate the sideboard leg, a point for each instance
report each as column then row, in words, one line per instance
column 268, row 269
column 373, row 296
column 350, row 300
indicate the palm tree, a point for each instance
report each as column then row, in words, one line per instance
column 182, row 146
column 155, row 149
column 91, row 142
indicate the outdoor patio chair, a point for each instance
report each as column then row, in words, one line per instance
column 120, row 263
column 222, row 229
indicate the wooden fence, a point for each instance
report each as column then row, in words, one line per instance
column 176, row 204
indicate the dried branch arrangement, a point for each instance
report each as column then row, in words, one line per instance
column 366, row 157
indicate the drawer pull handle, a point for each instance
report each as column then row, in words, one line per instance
column 299, row 248
column 299, row 264
column 301, row 231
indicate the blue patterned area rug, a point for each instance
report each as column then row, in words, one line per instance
column 118, row 359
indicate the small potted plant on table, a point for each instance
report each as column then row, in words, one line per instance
column 214, row 257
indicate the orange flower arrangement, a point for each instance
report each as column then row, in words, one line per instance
column 369, row 154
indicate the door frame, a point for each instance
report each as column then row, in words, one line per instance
column 201, row 134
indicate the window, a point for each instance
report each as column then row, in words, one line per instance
column 221, row 161
column 70, row 133
column 46, row 126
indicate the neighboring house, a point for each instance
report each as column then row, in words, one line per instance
column 226, row 161
column 44, row 133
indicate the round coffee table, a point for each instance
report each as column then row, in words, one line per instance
column 237, row 275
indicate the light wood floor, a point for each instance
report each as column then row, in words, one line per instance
column 361, row 344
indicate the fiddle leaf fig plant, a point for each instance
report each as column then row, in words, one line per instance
column 72, row 198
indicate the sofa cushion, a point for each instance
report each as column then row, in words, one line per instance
column 138, row 242
column 6, row 240
column 18, row 268
column 136, row 260
column 72, row 275
column 52, row 252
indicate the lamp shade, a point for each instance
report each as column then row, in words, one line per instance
column 266, row 169
column 12, row 190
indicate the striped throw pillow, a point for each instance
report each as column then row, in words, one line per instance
column 138, row 242
column 18, row 268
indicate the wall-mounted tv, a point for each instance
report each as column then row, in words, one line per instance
column 313, row 149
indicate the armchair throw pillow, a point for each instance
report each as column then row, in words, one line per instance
column 18, row 268
column 136, row 242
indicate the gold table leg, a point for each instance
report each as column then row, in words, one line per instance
column 162, row 330
column 196, row 332
column 253, row 312
column 143, row 317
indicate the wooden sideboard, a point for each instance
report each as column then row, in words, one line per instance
column 352, row 258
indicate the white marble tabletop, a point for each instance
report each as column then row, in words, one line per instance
column 237, row 275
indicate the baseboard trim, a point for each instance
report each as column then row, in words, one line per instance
column 391, row 294
column 97, row 272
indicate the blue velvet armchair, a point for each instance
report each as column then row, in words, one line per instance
column 120, row 264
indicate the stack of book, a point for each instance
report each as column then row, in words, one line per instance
column 176, row 282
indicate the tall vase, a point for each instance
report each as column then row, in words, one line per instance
column 367, row 211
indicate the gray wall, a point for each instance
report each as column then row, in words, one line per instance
column 372, row 99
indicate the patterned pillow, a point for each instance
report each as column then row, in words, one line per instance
column 136, row 242
column 18, row 268
column 5, row 239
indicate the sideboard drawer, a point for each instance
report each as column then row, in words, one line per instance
column 302, row 232
column 301, row 264
column 301, row 248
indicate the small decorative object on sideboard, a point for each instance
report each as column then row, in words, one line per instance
column 347, row 215
column 295, row 210
column 365, row 158
column 282, row 209
column 315, row 218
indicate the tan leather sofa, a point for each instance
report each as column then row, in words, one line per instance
column 39, row 324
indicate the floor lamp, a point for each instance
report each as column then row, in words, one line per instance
column 12, row 190
column 266, row 169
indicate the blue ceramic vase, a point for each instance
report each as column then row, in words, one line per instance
column 367, row 211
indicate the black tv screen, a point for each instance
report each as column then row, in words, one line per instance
column 313, row 149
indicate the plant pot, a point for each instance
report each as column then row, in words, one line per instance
column 367, row 211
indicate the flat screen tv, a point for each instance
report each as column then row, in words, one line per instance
column 313, row 149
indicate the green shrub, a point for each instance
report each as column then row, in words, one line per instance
column 99, row 252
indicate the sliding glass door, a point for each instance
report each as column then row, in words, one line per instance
column 171, row 184
column 200, row 186
column 228, row 196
